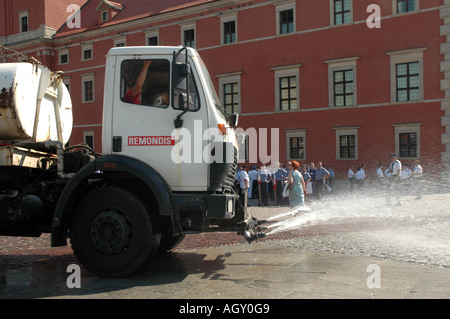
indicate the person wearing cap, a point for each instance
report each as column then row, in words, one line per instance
column 395, row 171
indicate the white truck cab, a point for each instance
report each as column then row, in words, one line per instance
column 156, row 124
column 167, row 167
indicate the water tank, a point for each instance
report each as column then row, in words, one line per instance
column 32, row 98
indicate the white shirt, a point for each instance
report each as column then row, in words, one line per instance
column 242, row 177
column 405, row 174
column 396, row 167
column 360, row 175
column 417, row 171
column 379, row 173
column 253, row 174
column 351, row 174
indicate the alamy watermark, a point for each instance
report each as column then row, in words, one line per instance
column 207, row 145
column 74, row 20
column 74, row 279
column 374, row 279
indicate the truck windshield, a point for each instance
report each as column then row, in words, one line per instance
column 211, row 88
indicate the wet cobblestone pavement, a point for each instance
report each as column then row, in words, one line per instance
column 416, row 234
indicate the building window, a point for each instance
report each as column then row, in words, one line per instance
column 24, row 24
column 105, row 15
column 342, row 11
column 152, row 38
column 342, row 82
column 152, row 41
column 230, row 91
column 287, row 92
column 407, row 140
column 86, row 53
column 408, row 144
column 407, row 81
column 295, row 144
column 231, row 97
column 347, row 146
column 189, row 38
column 229, row 32
column 285, row 18
column 286, row 21
column 406, row 75
column 87, row 88
column 88, row 91
column 63, row 57
column 88, row 138
column 406, row 6
column 346, row 143
column 343, row 87
column 120, row 42
column 24, row 21
column 296, row 147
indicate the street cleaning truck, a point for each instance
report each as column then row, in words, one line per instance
column 167, row 166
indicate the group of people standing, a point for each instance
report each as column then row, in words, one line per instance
column 286, row 185
column 395, row 175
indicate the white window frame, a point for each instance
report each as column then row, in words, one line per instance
column 223, row 20
column 24, row 14
column 348, row 130
column 86, row 78
column 295, row 133
column 332, row 14
column 102, row 13
column 151, row 34
column 122, row 41
column 60, row 54
column 405, row 56
column 186, row 27
column 286, row 71
column 87, row 48
column 339, row 65
column 394, row 7
column 229, row 78
column 283, row 7
column 406, row 128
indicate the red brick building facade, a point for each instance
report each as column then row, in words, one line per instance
column 344, row 82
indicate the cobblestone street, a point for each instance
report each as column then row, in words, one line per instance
column 415, row 234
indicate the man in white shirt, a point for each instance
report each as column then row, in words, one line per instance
column 417, row 174
column 380, row 174
column 244, row 183
column 395, row 170
column 253, row 175
column 351, row 176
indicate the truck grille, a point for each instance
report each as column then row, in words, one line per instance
column 222, row 175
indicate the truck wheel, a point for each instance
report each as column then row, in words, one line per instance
column 111, row 232
column 168, row 242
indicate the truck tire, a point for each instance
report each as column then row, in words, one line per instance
column 111, row 232
column 169, row 242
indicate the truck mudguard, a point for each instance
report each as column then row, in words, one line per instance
column 110, row 163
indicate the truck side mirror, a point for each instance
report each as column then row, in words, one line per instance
column 180, row 83
column 182, row 70
column 233, row 119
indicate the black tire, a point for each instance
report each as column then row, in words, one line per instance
column 169, row 242
column 111, row 232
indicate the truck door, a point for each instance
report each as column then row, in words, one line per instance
column 144, row 110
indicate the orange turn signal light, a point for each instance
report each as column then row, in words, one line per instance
column 222, row 129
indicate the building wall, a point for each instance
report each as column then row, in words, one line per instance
column 260, row 54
